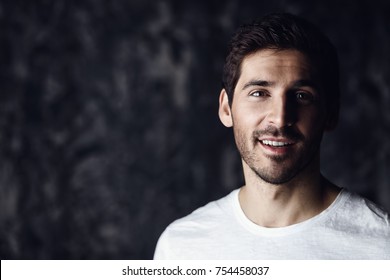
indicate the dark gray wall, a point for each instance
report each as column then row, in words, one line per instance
column 108, row 117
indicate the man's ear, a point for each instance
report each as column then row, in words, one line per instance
column 330, row 124
column 224, row 112
column 332, row 120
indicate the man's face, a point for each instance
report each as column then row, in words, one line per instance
column 277, row 114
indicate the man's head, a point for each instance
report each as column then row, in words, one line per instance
column 280, row 94
column 286, row 32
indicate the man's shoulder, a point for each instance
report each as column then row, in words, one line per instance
column 191, row 236
column 364, row 213
column 207, row 215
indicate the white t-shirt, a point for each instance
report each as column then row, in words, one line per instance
column 350, row 228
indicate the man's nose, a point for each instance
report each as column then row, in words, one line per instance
column 282, row 112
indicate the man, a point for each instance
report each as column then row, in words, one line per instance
column 280, row 94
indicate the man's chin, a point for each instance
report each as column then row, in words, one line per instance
column 278, row 158
column 276, row 177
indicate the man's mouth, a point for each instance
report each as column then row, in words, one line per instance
column 276, row 144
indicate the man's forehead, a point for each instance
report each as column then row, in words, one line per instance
column 269, row 63
column 271, row 57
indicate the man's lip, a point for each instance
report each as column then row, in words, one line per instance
column 276, row 139
column 279, row 140
column 277, row 145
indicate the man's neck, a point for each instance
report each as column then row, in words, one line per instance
column 282, row 205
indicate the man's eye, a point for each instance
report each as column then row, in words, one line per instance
column 258, row 93
column 304, row 97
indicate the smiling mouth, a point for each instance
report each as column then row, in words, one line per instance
column 276, row 144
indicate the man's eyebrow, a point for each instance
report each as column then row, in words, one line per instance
column 297, row 84
column 306, row 83
column 261, row 83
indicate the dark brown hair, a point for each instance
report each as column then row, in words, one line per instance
column 280, row 32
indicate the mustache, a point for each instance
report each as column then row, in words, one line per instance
column 284, row 132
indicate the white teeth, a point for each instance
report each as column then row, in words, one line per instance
column 274, row 143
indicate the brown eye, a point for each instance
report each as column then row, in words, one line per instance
column 304, row 98
column 258, row 93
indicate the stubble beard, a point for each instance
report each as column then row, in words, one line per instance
column 281, row 168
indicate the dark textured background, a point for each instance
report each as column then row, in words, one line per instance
column 108, row 117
